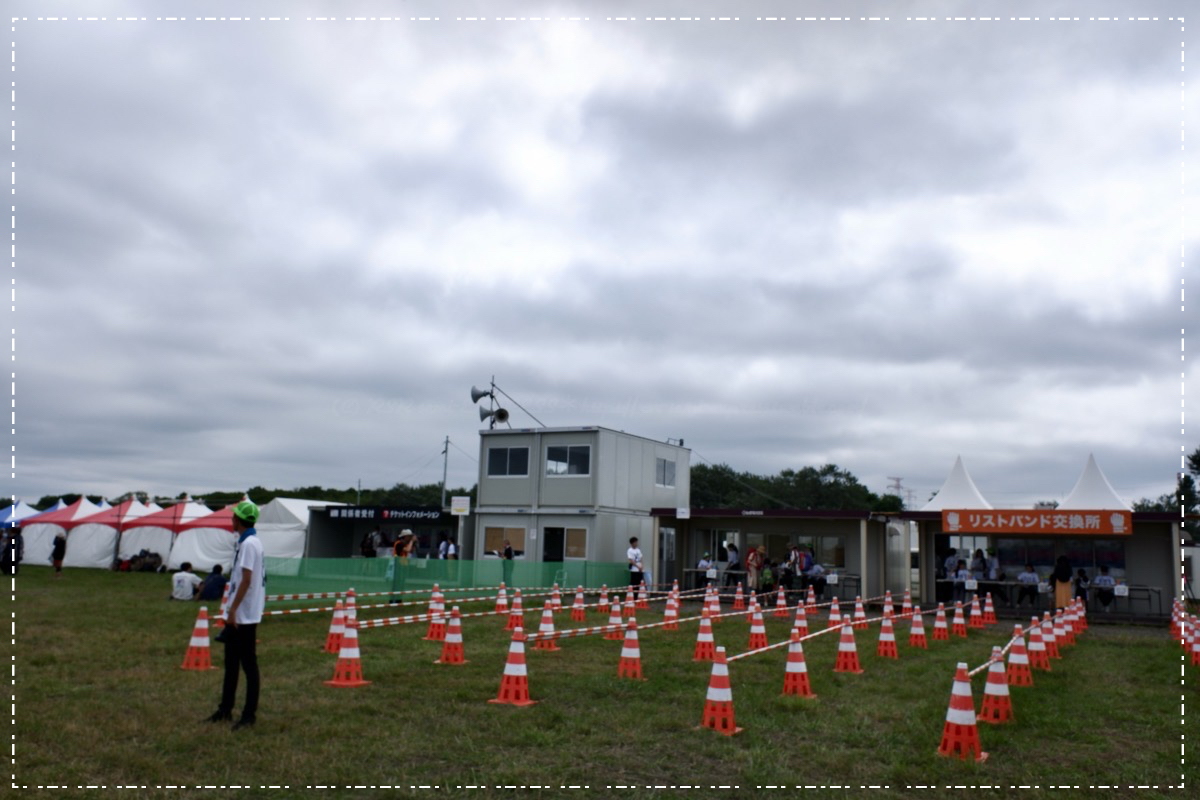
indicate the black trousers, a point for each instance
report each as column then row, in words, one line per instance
column 636, row 579
column 241, row 655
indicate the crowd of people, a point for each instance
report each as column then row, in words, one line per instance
column 983, row 574
column 798, row 571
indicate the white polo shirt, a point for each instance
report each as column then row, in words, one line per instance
column 249, row 556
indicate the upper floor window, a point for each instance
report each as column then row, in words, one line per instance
column 508, row 461
column 664, row 472
column 574, row 459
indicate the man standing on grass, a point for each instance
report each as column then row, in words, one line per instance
column 634, row 556
column 248, row 594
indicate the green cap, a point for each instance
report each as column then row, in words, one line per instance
column 246, row 511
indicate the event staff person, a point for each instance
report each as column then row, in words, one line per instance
column 248, row 595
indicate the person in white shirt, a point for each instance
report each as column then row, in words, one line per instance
column 247, row 596
column 1104, row 584
column 634, row 556
column 185, row 584
column 1029, row 586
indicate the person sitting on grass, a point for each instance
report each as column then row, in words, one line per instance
column 185, row 584
column 214, row 585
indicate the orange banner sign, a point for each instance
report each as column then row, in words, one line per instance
column 1038, row 520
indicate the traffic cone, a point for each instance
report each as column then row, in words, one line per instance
column 437, row 603
column 555, row 599
column 959, row 627
column 1081, row 612
column 546, row 628
column 628, row 609
column 810, row 603
column 1018, row 661
column 452, row 646
column 337, row 626
column 888, row 610
column 800, row 625
column 887, row 640
column 643, row 600
column 758, row 631
column 578, row 612
column 714, row 607
column 718, row 705
column 502, row 600
column 514, row 685
column 860, row 616
column 704, row 639
column 437, row 625
column 916, row 634
column 997, row 705
column 199, row 655
column 940, row 632
column 960, row 736
column 220, row 621
column 1050, row 636
column 1039, row 657
column 1063, row 631
column 351, row 608
column 602, row 606
column 671, row 615
column 348, row 671
column 989, row 610
column 835, row 616
column 795, row 679
column 907, row 606
column 847, row 657
column 781, row 606
column 516, row 615
column 976, row 618
column 739, row 599
column 630, row 665
column 614, row 620
column 1195, row 645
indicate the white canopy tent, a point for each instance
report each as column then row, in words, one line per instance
column 15, row 513
column 959, row 491
column 156, row 532
column 205, row 542
column 39, row 531
column 283, row 525
column 1093, row 491
column 92, row 542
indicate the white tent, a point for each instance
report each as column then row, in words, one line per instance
column 39, row 531
column 156, row 532
column 205, row 541
column 283, row 525
column 92, row 542
column 15, row 513
column 1093, row 491
column 958, row 491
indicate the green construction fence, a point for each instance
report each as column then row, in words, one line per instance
column 309, row 575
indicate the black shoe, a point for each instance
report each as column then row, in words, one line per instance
column 219, row 716
column 244, row 722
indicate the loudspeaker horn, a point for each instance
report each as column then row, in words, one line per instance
column 476, row 394
column 499, row 414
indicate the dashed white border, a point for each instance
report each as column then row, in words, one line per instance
column 1182, row 355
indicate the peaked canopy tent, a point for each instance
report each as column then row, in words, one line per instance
column 156, row 532
column 283, row 525
column 15, row 513
column 959, row 491
column 39, row 530
column 92, row 541
column 205, row 541
column 1093, row 491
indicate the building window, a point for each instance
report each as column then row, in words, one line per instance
column 575, row 459
column 664, row 472
column 576, row 546
column 493, row 540
column 508, row 461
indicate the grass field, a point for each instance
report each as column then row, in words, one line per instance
column 100, row 701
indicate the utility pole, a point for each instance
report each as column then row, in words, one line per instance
column 358, row 497
column 445, row 467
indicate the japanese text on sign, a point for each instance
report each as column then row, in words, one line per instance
column 1038, row 520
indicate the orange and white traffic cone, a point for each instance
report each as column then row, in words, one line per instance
column 220, row 621
column 888, row 609
column 630, row 665
column 351, row 609
column 516, row 614
column 795, row 679
column 907, row 605
column 348, row 671
column 704, row 639
column 452, row 646
column 546, row 629
column 758, row 631
column 847, row 657
column 800, row 625
column 437, row 603
column 514, row 685
column 781, row 606
column 976, row 618
column 1039, row 656
column 555, row 599
column 1063, row 631
column 714, row 607
column 959, row 626
column 501, row 600
column 671, row 615
column 614, row 621
column 602, row 606
column 941, row 633
column 643, row 600
column 1018, row 673
column 578, row 612
column 739, row 599
column 199, row 654
column 1050, row 636
column 1195, row 644
column 860, row 616
column 718, row 704
column 835, row 616
column 989, row 610
column 887, row 640
column 628, row 609
column 916, row 634
column 1081, row 615
column 333, row 640
column 810, row 602
column 960, row 735
column 437, row 628
column 997, row 705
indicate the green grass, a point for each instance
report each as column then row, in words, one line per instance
column 100, row 700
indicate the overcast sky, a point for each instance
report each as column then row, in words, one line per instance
column 280, row 253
